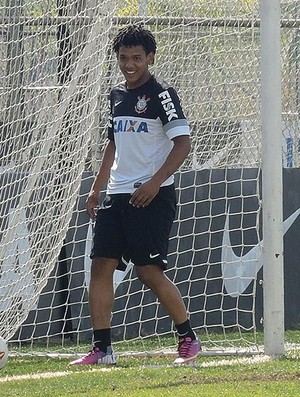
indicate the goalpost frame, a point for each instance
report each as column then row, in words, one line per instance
column 272, row 190
column 271, row 113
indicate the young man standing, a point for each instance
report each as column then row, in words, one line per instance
column 149, row 139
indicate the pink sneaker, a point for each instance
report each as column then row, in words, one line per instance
column 188, row 350
column 96, row 356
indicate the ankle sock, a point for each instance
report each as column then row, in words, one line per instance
column 184, row 330
column 102, row 338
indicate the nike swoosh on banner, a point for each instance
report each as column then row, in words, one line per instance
column 239, row 271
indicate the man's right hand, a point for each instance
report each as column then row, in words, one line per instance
column 92, row 203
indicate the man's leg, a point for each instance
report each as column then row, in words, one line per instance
column 165, row 290
column 169, row 296
column 101, row 292
column 101, row 300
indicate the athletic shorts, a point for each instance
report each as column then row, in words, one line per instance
column 139, row 235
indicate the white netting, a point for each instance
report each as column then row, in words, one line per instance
column 56, row 70
column 52, row 72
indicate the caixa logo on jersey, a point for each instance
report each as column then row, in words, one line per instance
column 168, row 105
column 130, row 125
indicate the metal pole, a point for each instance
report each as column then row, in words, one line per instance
column 272, row 177
column 143, row 8
column 14, row 115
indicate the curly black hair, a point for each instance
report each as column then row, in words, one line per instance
column 134, row 35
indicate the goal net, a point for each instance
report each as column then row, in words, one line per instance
column 56, row 69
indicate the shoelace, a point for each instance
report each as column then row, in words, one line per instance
column 184, row 347
column 94, row 350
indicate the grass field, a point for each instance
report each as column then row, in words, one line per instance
column 155, row 376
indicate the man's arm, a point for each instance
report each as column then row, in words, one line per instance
column 101, row 179
column 147, row 191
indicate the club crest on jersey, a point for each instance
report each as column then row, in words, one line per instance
column 141, row 105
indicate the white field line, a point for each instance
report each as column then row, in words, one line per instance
column 48, row 375
column 224, row 362
column 236, row 361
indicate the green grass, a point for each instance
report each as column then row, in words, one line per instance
column 154, row 376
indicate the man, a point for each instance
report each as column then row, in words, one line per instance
column 148, row 141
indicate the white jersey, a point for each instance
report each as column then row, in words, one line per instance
column 143, row 122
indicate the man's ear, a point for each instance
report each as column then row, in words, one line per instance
column 150, row 58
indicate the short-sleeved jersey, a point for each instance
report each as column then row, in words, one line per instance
column 142, row 123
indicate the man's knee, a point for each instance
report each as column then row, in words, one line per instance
column 149, row 275
column 103, row 266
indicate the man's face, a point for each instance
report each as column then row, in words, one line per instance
column 133, row 63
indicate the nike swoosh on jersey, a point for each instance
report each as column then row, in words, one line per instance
column 239, row 271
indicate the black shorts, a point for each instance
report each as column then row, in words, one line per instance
column 137, row 234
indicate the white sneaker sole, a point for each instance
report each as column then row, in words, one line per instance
column 110, row 359
column 185, row 361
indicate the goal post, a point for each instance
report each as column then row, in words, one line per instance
column 53, row 130
column 272, row 191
